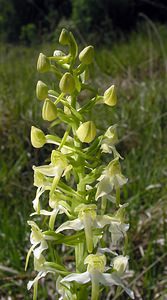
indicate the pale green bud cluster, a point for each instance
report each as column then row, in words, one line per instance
column 76, row 182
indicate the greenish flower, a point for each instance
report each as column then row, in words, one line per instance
column 86, row 220
column 96, row 274
column 54, row 169
column 37, row 239
column 118, row 227
column 120, row 263
column 42, row 184
column 39, row 267
column 109, row 141
column 64, row 290
column 59, row 207
column 111, row 177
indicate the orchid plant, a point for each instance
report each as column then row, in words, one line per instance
column 77, row 208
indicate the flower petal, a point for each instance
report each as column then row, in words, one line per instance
column 118, row 231
column 104, row 187
column 113, row 279
column 36, row 279
column 78, row 277
column 103, row 220
column 36, row 205
column 49, row 170
column 43, row 246
column 120, row 180
column 75, row 225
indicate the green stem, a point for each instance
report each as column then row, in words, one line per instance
column 53, row 93
column 103, row 205
column 66, row 134
column 52, row 221
column 54, row 185
column 95, row 289
column 35, row 293
column 88, row 232
column 117, row 196
column 59, row 98
column 79, row 252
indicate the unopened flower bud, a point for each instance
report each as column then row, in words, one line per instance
column 43, row 63
column 58, row 53
column 64, row 37
column 86, row 132
column 38, row 138
column 86, row 55
column 67, row 83
column 41, row 90
column 49, row 111
column 120, row 263
column 110, row 97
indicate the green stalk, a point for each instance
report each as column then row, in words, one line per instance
column 79, row 252
column 35, row 292
column 52, row 221
column 117, row 196
column 88, row 231
column 66, row 134
column 95, row 289
column 103, row 205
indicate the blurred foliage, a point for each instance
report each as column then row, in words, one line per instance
column 30, row 20
column 17, row 17
column 103, row 16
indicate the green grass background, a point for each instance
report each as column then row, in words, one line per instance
column 138, row 67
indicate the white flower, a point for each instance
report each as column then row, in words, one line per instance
column 42, row 184
column 59, row 207
column 38, row 266
column 117, row 227
column 95, row 274
column 86, row 220
column 64, row 290
column 120, row 263
column 109, row 141
column 111, row 177
column 37, row 238
column 43, row 267
column 55, row 169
